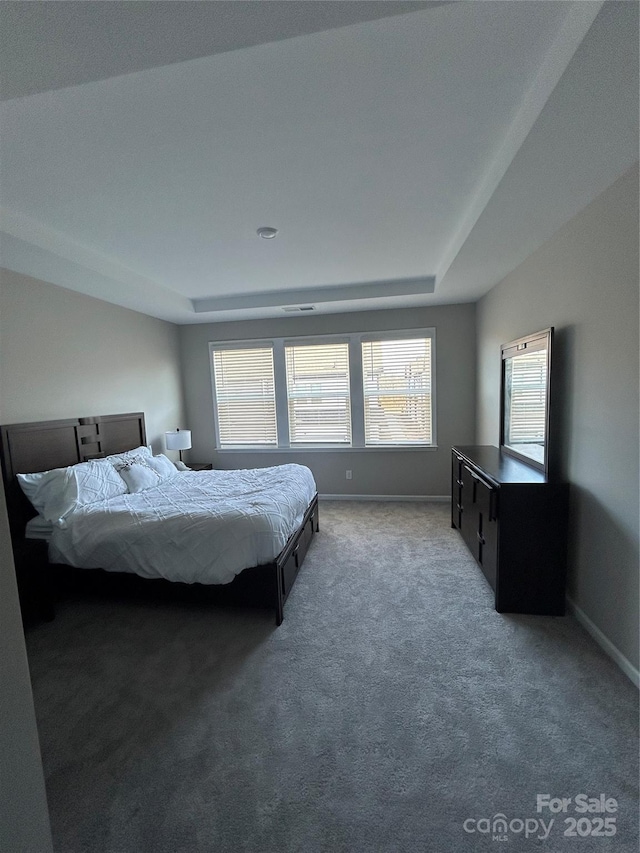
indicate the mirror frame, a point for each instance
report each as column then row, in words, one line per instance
column 531, row 343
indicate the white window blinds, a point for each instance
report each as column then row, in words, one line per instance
column 245, row 397
column 318, row 398
column 397, row 391
column 526, row 383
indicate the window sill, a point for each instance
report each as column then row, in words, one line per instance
column 326, row 449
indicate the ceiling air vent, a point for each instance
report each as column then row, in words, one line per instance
column 296, row 309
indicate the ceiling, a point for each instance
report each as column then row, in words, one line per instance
column 409, row 153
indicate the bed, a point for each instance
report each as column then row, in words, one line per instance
column 228, row 536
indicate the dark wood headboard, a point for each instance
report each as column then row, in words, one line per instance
column 40, row 446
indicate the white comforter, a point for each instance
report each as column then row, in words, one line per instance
column 198, row 527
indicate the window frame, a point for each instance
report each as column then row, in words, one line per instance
column 300, row 343
column 354, row 340
column 240, row 345
column 366, row 339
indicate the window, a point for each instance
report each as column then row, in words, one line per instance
column 352, row 391
column 319, row 404
column 526, row 386
column 397, row 391
column 245, row 395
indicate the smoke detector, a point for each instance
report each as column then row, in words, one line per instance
column 267, row 232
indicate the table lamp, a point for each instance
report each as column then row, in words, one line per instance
column 179, row 439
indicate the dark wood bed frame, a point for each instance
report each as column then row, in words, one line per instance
column 31, row 447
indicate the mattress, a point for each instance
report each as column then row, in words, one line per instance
column 197, row 527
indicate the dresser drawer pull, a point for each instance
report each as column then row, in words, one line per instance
column 481, row 539
column 480, row 479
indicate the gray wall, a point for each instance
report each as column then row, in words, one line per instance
column 375, row 472
column 24, row 818
column 64, row 354
column 584, row 282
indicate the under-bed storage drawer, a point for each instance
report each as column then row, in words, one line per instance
column 296, row 553
column 309, row 529
column 296, row 556
column 292, row 565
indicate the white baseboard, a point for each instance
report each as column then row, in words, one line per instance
column 429, row 498
column 604, row 642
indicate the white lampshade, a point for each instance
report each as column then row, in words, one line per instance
column 179, row 439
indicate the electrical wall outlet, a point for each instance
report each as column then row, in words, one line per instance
column 349, row 474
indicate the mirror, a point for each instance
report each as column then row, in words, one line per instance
column 524, row 421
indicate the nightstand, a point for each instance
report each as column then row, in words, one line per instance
column 200, row 466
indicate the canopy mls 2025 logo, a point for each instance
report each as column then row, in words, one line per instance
column 586, row 817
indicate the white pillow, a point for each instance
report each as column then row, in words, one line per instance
column 52, row 493
column 139, row 477
column 180, row 466
column 97, row 480
column 56, row 493
column 162, row 465
column 142, row 452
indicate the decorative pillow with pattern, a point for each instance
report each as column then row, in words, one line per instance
column 138, row 454
column 138, row 476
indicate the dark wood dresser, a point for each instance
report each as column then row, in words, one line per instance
column 514, row 522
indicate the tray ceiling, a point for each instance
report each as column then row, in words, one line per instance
column 408, row 153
